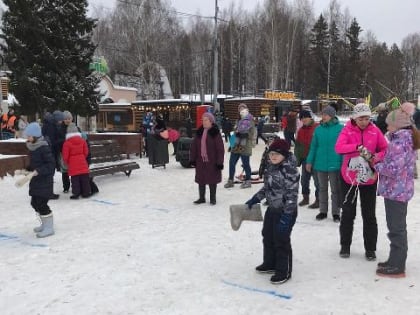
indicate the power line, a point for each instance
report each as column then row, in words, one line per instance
column 184, row 14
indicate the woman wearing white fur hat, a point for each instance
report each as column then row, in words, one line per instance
column 361, row 143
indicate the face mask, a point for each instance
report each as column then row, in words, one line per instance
column 244, row 113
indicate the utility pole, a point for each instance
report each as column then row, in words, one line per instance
column 215, row 62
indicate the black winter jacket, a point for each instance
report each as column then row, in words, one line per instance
column 41, row 160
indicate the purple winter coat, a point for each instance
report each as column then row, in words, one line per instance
column 208, row 172
column 396, row 170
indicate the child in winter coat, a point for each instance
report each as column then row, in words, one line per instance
column 42, row 163
column 360, row 142
column 396, row 185
column 75, row 152
column 243, row 129
column 281, row 185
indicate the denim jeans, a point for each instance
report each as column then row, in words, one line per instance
column 234, row 157
column 305, row 179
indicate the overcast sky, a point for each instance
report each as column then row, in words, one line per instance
column 389, row 20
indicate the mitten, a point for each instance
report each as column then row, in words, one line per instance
column 364, row 152
column 22, row 172
column 219, row 166
column 254, row 200
column 285, row 221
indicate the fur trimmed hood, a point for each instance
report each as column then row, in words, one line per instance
column 213, row 131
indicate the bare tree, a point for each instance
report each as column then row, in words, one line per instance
column 411, row 53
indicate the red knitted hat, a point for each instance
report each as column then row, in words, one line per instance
column 280, row 146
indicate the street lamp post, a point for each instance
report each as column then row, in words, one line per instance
column 215, row 62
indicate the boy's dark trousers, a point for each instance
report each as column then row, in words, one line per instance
column 368, row 206
column 277, row 245
column 40, row 205
column 80, row 185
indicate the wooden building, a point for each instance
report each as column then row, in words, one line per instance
column 260, row 107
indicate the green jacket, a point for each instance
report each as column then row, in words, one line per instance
column 322, row 154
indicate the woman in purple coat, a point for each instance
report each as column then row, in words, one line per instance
column 207, row 154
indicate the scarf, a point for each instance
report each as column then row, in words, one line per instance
column 204, row 146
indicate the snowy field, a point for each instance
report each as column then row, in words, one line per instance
column 141, row 247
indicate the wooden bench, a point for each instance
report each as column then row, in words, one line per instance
column 107, row 158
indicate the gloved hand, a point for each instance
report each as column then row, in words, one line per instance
column 284, row 223
column 254, row 200
column 22, row 172
column 219, row 166
column 364, row 152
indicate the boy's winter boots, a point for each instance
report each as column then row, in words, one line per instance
column 239, row 213
column 315, row 205
column 47, row 225
column 304, row 201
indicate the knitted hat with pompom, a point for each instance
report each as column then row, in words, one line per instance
column 402, row 116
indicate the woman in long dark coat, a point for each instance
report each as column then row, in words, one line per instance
column 207, row 154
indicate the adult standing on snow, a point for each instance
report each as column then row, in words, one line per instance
column 207, row 155
column 243, row 146
column 323, row 159
column 303, row 143
column 360, row 142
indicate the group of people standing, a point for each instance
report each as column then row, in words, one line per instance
column 357, row 159
column 352, row 160
column 11, row 125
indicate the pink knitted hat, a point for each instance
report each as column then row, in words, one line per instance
column 402, row 116
column 209, row 117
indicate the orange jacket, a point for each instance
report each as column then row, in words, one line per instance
column 8, row 123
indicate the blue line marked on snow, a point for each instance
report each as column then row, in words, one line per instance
column 105, row 202
column 270, row 292
column 5, row 237
column 158, row 209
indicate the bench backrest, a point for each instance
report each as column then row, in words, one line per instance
column 105, row 151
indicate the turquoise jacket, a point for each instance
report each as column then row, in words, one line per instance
column 322, row 153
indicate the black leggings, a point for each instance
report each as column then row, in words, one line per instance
column 40, row 205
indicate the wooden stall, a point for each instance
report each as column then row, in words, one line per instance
column 260, row 107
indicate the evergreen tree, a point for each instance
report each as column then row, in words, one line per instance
column 319, row 43
column 48, row 48
column 353, row 79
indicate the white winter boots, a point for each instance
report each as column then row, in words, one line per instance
column 239, row 213
column 47, row 226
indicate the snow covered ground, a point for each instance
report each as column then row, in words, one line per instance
column 141, row 247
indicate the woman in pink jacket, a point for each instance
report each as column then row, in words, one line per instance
column 361, row 143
